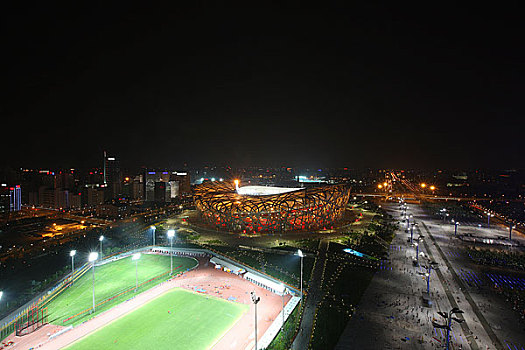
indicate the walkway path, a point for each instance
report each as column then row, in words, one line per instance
column 314, row 297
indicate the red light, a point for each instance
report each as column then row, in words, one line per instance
column 79, row 194
column 12, row 188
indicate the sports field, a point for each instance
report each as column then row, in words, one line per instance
column 178, row 319
column 114, row 278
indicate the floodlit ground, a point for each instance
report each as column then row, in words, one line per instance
column 110, row 280
column 179, row 319
column 209, row 281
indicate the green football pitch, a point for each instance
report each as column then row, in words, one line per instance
column 178, row 319
column 110, row 280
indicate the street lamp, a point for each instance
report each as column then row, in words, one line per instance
column 488, row 218
column 448, row 326
column 300, row 253
column 255, row 301
column 72, row 255
column 408, row 220
column 511, row 226
column 135, row 257
column 430, row 265
column 171, row 234
column 93, row 256
column 456, row 223
column 101, row 238
column 153, row 228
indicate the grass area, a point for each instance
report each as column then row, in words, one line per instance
column 110, row 280
column 193, row 322
column 345, row 278
column 343, row 293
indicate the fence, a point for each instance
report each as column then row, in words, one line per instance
column 9, row 326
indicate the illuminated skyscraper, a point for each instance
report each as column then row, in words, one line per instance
column 112, row 176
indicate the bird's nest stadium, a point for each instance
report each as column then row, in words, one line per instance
column 258, row 209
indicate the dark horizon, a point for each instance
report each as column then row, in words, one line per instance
column 374, row 87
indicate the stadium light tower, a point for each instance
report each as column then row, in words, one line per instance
column 93, row 256
column 300, row 253
column 100, row 239
column 153, row 228
column 171, row 234
column 135, row 257
column 72, row 255
column 255, row 301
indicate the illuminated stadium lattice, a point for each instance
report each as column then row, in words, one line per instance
column 255, row 209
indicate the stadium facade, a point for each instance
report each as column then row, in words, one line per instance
column 258, row 209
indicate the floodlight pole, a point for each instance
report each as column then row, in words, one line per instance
column 301, row 255
column 171, row 255
column 255, row 301
column 93, row 268
column 101, row 238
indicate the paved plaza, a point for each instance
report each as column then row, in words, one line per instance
column 392, row 315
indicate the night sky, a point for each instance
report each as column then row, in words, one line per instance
column 394, row 87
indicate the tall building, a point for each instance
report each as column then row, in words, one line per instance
column 95, row 197
column 174, row 185
column 137, row 191
column 160, row 192
column 112, row 176
column 65, row 180
column 4, row 200
column 15, row 200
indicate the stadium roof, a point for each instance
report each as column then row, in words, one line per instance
column 264, row 190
